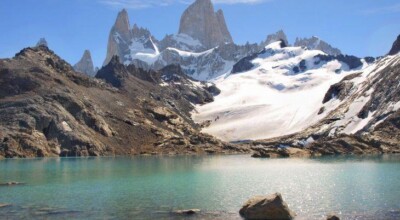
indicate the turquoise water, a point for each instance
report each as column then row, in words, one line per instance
column 151, row 187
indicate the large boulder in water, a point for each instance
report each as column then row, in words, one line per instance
column 266, row 207
column 332, row 217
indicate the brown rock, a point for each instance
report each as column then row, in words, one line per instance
column 266, row 207
column 332, row 217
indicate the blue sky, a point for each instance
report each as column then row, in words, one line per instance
column 357, row 27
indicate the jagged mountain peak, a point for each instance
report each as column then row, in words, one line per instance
column 85, row 64
column 278, row 36
column 122, row 22
column 315, row 43
column 396, row 47
column 201, row 22
column 125, row 42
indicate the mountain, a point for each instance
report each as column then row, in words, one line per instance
column 48, row 109
column 125, row 42
column 42, row 42
column 314, row 43
column 396, row 47
column 275, row 92
column 201, row 22
column 138, row 47
column 85, row 64
column 295, row 101
column 278, row 36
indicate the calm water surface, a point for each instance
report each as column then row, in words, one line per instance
column 151, row 187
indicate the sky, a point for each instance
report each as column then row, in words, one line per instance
column 357, row 27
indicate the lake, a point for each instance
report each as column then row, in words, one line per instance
column 356, row 187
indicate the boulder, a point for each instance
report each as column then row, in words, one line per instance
column 266, row 207
column 332, row 217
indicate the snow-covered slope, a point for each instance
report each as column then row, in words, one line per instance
column 362, row 115
column 363, row 100
column 281, row 94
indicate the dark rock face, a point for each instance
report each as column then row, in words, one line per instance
column 301, row 67
column 47, row 109
column 244, row 64
column 396, row 47
column 114, row 73
column 266, row 207
column 352, row 61
column 339, row 90
column 332, row 217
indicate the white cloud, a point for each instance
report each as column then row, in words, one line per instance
column 139, row 4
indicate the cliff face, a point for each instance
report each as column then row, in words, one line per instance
column 201, row 22
column 396, row 47
column 47, row 109
column 119, row 38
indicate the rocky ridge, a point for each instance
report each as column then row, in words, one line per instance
column 203, row 45
column 124, row 41
column 47, row 109
column 314, row 43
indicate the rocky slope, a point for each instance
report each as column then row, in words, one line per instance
column 361, row 114
column 47, row 109
column 202, row 23
column 85, row 64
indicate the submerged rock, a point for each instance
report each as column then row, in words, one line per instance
column 187, row 212
column 3, row 205
column 11, row 184
column 266, row 207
